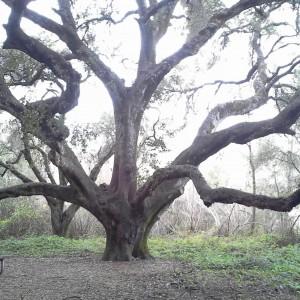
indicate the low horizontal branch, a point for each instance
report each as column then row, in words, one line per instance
column 64, row 193
column 217, row 195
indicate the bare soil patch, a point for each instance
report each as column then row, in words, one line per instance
column 89, row 278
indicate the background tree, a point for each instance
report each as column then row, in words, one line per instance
column 126, row 210
column 253, row 168
column 19, row 148
column 278, row 158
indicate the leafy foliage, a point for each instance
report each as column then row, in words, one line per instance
column 21, row 218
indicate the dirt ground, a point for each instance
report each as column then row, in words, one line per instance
column 88, row 278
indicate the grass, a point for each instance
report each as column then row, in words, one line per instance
column 50, row 246
column 244, row 258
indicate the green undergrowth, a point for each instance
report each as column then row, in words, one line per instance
column 50, row 246
column 244, row 258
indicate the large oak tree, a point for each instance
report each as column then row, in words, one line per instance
column 127, row 210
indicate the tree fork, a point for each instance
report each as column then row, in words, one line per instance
column 60, row 218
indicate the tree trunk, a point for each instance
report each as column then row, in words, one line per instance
column 141, row 249
column 129, row 240
column 253, row 175
column 253, row 221
column 60, row 218
column 59, row 227
column 120, row 240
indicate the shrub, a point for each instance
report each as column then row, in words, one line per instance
column 23, row 218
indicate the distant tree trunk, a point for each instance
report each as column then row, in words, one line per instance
column 253, row 175
column 253, row 221
column 61, row 218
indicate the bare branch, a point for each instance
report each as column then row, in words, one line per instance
column 285, row 85
column 276, row 76
column 241, row 107
column 152, row 29
column 8, row 102
column 27, row 154
column 206, row 145
column 70, row 212
column 106, row 18
column 69, row 35
column 72, row 170
column 65, row 13
column 44, row 189
column 280, row 39
column 217, row 195
column 153, row 9
column 17, row 39
column 30, row 160
column 162, row 13
column 192, row 46
column 243, row 133
column 218, row 82
column 104, row 154
column 15, row 172
column 234, row 108
column 46, row 163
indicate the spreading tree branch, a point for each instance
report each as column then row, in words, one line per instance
column 69, row 213
column 44, row 189
column 154, row 9
column 192, row 46
column 218, row 82
column 217, row 195
column 46, row 163
column 241, row 107
column 29, row 159
column 67, row 33
column 106, row 18
column 8, row 102
column 206, row 145
column 15, row 172
column 104, row 154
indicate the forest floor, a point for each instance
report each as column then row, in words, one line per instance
column 86, row 277
column 187, row 267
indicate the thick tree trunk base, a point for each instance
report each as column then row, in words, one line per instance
column 125, row 245
column 119, row 245
column 118, row 253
